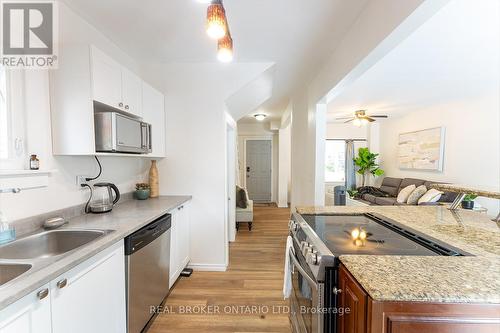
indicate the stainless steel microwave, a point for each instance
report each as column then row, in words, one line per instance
column 117, row 133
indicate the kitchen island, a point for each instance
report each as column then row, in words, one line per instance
column 390, row 293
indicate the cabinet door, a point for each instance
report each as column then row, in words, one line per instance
column 153, row 110
column 184, row 253
column 106, row 79
column 174, row 248
column 30, row 314
column 91, row 296
column 131, row 93
column 354, row 298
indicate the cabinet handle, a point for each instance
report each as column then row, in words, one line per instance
column 336, row 291
column 61, row 284
column 42, row 294
column 120, row 104
column 126, row 107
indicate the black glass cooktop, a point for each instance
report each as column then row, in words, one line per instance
column 367, row 234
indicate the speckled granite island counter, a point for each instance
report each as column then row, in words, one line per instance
column 126, row 218
column 468, row 279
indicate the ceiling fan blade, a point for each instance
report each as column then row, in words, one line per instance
column 348, row 121
column 343, row 118
column 370, row 119
column 379, row 116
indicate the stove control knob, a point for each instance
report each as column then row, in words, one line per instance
column 312, row 258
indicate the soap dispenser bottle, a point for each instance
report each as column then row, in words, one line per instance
column 7, row 233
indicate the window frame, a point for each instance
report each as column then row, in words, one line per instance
column 16, row 128
column 333, row 181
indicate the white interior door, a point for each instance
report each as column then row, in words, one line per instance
column 258, row 169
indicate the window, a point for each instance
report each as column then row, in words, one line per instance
column 335, row 161
column 12, row 118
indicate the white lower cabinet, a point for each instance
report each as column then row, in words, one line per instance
column 30, row 314
column 179, row 243
column 88, row 298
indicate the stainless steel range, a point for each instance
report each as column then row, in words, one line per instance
column 318, row 241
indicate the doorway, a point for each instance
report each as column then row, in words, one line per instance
column 258, row 169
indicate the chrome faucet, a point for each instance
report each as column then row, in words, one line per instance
column 10, row 190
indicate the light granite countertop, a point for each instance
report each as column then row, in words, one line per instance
column 125, row 218
column 467, row 279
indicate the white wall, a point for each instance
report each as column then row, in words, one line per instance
column 471, row 154
column 346, row 131
column 284, row 166
column 259, row 130
column 62, row 190
column 196, row 147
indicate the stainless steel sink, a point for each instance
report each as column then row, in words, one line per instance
column 9, row 272
column 49, row 243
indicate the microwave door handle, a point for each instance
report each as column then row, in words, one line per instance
column 150, row 135
column 143, row 135
column 296, row 263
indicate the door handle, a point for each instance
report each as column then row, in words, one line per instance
column 42, row 294
column 61, row 284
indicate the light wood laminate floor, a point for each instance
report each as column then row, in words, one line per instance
column 247, row 297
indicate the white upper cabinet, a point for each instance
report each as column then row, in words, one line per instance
column 153, row 108
column 88, row 78
column 106, row 79
column 114, row 85
column 131, row 93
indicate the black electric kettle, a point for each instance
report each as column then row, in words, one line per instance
column 102, row 198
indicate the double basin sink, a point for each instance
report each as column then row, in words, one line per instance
column 21, row 255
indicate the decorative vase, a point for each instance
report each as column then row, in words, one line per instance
column 153, row 180
column 142, row 194
column 468, row 204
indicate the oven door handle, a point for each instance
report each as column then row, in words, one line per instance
column 296, row 263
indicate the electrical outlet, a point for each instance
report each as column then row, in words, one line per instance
column 80, row 180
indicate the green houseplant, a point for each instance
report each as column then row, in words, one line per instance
column 367, row 164
column 468, row 201
column 142, row 191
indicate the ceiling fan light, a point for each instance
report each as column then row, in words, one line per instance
column 260, row 116
column 216, row 21
column 225, row 49
column 357, row 122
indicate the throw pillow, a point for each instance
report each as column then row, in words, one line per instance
column 432, row 195
column 405, row 193
column 416, row 194
column 241, row 198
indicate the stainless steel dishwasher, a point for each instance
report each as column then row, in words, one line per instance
column 147, row 266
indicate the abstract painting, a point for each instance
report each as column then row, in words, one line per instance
column 422, row 150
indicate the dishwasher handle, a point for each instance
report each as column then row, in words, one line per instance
column 147, row 234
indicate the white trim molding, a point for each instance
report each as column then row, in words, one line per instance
column 208, row 267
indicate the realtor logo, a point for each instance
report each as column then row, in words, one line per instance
column 28, row 34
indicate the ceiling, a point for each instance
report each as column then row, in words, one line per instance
column 295, row 35
column 454, row 55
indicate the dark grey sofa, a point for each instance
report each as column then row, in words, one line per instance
column 392, row 186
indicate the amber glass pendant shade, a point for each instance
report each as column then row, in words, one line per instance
column 216, row 21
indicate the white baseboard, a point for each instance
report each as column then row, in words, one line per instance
column 282, row 206
column 208, row 267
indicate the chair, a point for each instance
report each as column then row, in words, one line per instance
column 245, row 215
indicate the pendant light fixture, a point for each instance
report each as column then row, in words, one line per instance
column 225, row 47
column 218, row 28
column 216, row 20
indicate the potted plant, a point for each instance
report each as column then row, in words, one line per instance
column 367, row 164
column 468, row 201
column 142, row 191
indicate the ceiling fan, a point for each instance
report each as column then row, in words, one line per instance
column 360, row 117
